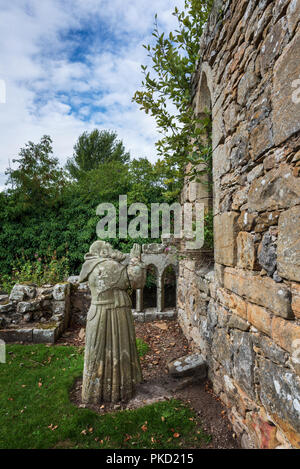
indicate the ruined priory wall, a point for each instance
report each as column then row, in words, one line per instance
column 243, row 310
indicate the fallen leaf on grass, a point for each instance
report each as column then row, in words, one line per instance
column 52, row 427
column 144, row 427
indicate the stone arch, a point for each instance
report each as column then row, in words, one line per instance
column 205, row 90
column 169, row 285
column 202, row 191
column 150, row 289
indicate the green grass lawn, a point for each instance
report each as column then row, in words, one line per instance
column 36, row 412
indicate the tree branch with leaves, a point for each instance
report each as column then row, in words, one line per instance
column 166, row 94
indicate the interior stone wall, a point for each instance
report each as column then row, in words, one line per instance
column 242, row 310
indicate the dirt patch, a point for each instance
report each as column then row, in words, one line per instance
column 166, row 342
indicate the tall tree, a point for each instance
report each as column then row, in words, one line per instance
column 94, row 149
column 38, row 177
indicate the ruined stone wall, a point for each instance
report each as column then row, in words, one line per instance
column 243, row 310
column 35, row 314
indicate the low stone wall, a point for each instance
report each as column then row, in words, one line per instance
column 243, row 311
column 35, row 314
column 80, row 300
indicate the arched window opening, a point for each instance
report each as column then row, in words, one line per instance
column 169, row 285
column 205, row 189
column 150, row 289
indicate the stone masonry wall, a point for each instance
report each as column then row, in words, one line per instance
column 243, row 310
column 35, row 314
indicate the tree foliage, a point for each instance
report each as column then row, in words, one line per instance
column 44, row 214
column 38, row 177
column 166, row 92
column 93, row 150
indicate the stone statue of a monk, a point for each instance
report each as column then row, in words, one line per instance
column 111, row 363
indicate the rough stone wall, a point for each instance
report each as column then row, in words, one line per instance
column 35, row 314
column 243, row 310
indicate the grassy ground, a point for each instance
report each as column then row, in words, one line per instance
column 35, row 410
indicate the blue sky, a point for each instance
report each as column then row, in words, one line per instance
column 74, row 65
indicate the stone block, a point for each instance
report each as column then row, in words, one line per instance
column 276, row 189
column 4, row 299
column 74, row 279
column 28, row 306
column 225, row 232
column 236, row 322
column 255, row 173
column 219, row 274
column 295, row 287
column 45, row 336
column 273, row 45
column 267, row 256
column 153, row 248
column 246, row 220
column 246, row 252
column 260, row 290
column 16, row 335
column 187, row 366
column 288, row 246
column 222, row 349
column 247, row 82
column 261, row 138
column 280, row 393
column 260, row 318
column 233, row 302
column 269, row 349
column 293, row 15
column 264, row 431
column 61, row 291
column 138, row 317
column 22, row 292
column 265, row 220
column 286, row 109
column 6, row 308
column 239, row 198
column 286, row 334
column 243, row 361
column 58, row 307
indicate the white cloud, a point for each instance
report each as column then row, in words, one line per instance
column 48, row 93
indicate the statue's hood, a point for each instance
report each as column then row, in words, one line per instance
column 91, row 261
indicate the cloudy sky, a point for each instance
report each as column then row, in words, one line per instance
column 73, row 65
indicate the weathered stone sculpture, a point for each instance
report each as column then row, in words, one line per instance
column 111, row 364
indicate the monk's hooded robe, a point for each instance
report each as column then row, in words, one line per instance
column 111, row 366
